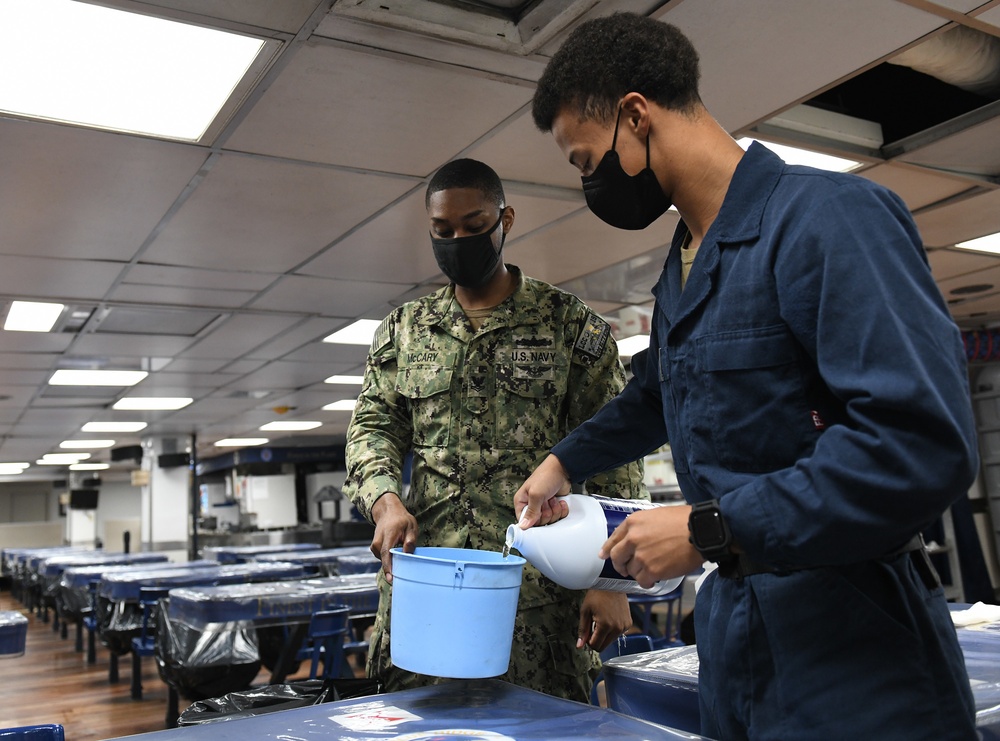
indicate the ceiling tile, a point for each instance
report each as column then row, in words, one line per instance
column 326, row 296
column 90, row 175
column 130, row 345
column 26, row 360
column 181, row 296
column 580, row 244
column 918, row 187
column 40, row 277
column 268, row 215
column 309, row 331
column 239, row 335
column 287, row 16
column 971, row 151
column 960, row 221
column 303, row 114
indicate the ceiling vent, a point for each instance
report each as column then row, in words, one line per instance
column 513, row 26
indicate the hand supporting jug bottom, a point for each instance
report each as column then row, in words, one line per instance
column 566, row 551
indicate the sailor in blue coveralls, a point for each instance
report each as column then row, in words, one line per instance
column 812, row 386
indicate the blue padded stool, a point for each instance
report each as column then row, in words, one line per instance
column 325, row 639
column 13, row 634
column 49, row 732
column 145, row 643
column 672, row 601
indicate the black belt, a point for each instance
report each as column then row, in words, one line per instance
column 741, row 565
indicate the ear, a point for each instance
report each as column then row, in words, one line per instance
column 635, row 113
column 507, row 219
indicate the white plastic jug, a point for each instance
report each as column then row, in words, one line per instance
column 566, row 550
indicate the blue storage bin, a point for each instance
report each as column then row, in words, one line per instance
column 13, row 634
column 658, row 686
column 48, row 732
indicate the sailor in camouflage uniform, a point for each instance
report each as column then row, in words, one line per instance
column 479, row 380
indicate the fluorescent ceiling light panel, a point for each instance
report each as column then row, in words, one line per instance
column 240, row 442
column 358, row 333
column 66, row 377
column 796, row 156
column 298, row 425
column 152, row 403
column 346, row 380
column 77, row 444
column 12, row 469
column 113, row 427
column 85, row 64
column 62, row 459
column 989, row 243
column 89, row 466
column 344, row 405
column 631, row 345
column 32, row 316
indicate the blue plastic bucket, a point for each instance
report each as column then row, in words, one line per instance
column 453, row 611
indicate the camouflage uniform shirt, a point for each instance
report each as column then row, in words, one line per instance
column 480, row 410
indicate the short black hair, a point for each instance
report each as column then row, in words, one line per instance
column 467, row 173
column 605, row 58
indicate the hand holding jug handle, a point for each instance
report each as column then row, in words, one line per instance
column 536, row 502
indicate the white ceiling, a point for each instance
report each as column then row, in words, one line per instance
column 221, row 266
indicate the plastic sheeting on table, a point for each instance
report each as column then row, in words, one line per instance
column 243, row 553
column 202, row 664
column 659, row 686
column 74, row 599
column 119, row 615
column 330, row 561
column 13, row 634
column 272, row 602
column 474, row 710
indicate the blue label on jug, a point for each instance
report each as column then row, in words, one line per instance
column 615, row 512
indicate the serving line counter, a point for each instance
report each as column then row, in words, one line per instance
column 329, row 561
column 244, row 553
column 465, row 710
column 213, row 640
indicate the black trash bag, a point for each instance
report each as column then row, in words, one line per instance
column 200, row 664
column 275, row 697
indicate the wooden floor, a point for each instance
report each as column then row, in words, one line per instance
column 52, row 683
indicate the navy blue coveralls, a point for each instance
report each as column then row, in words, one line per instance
column 810, row 377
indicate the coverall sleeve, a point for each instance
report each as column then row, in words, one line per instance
column 626, row 428
column 855, row 289
column 380, row 433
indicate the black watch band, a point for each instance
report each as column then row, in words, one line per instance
column 710, row 534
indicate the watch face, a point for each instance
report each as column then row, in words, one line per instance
column 710, row 532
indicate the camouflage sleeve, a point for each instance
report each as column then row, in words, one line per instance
column 597, row 376
column 380, row 432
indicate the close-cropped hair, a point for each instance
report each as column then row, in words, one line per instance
column 467, row 173
column 605, row 58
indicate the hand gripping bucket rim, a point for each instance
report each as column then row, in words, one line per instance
column 453, row 611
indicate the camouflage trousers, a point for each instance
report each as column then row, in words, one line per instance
column 543, row 656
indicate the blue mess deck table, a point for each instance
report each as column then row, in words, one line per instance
column 243, row 553
column 468, row 710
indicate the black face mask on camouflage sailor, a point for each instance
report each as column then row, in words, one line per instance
column 469, row 261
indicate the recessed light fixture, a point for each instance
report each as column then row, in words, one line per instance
column 240, row 442
column 113, row 427
column 111, row 69
column 797, row 156
column 360, row 332
column 152, row 403
column 13, row 469
column 344, row 405
column 971, row 289
column 989, row 243
column 83, row 444
column 66, row 377
column 32, row 316
column 346, row 380
column 631, row 345
column 61, row 459
column 291, row 425
column 89, row 466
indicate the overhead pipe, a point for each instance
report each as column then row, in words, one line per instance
column 961, row 56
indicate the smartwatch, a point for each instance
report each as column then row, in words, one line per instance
column 710, row 534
